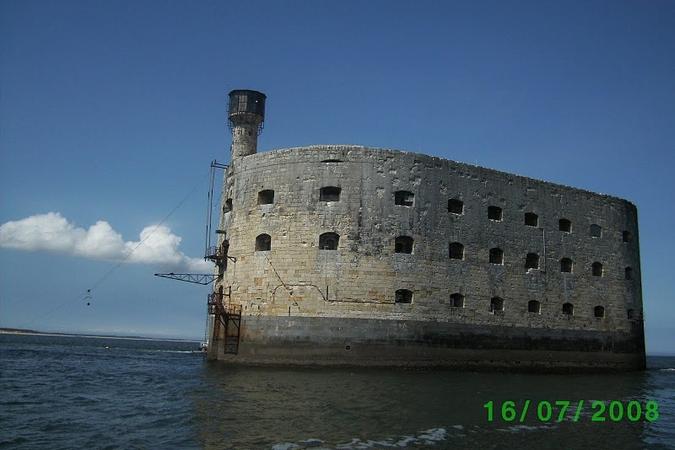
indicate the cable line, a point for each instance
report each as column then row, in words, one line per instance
column 88, row 297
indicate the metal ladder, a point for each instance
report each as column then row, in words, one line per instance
column 227, row 315
column 232, row 329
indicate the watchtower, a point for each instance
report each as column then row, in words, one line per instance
column 246, row 114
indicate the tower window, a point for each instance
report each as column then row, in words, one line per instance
column 627, row 237
column 329, row 241
column 330, row 194
column 404, row 296
column 534, row 306
column 496, row 305
column 404, row 198
column 263, row 243
column 495, row 213
column 496, row 256
column 532, row 261
column 565, row 225
column 266, row 197
column 227, row 207
column 457, row 300
column 455, row 206
column 630, row 314
column 595, row 231
column 628, row 273
column 531, row 219
column 224, row 248
column 403, row 244
column 566, row 265
column 456, row 250
column 568, row 309
column 596, row 269
column 599, row 312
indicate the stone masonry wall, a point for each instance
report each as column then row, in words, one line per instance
column 359, row 279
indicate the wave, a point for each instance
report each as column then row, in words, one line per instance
column 177, row 351
column 519, row 428
column 428, row 437
column 149, row 350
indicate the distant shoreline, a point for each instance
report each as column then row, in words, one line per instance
column 19, row 331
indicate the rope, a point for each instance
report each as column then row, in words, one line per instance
column 88, row 294
column 277, row 274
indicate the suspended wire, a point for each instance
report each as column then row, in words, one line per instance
column 161, row 222
column 278, row 276
column 210, row 203
column 88, row 295
column 209, row 210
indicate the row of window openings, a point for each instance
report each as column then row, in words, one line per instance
column 326, row 194
column 404, row 244
column 327, row 241
column 497, row 304
column 495, row 213
column 455, row 206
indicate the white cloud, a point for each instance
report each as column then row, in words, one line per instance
column 52, row 232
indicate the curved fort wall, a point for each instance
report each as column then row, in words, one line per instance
column 308, row 304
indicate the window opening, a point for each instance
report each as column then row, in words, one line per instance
column 532, row 261
column 330, row 194
column 495, row 213
column 266, row 197
column 599, row 312
column 595, row 231
column 455, row 206
column 227, row 207
column 496, row 256
column 531, row 220
column 565, row 225
column 403, row 244
column 457, row 300
column 496, row 305
column 404, row 296
column 404, row 198
column 329, row 241
column 263, row 243
column 456, row 250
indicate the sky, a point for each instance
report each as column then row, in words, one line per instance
column 110, row 113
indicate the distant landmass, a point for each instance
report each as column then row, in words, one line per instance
column 18, row 331
column 89, row 335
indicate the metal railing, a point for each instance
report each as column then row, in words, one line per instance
column 216, row 305
column 215, row 253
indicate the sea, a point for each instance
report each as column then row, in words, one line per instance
column 60, row 392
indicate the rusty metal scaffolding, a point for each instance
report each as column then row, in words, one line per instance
column 228, row 316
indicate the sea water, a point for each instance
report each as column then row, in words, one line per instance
column 73, row 392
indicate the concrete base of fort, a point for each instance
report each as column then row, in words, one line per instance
column 325, row 341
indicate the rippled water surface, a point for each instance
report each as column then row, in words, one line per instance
column 74, row 392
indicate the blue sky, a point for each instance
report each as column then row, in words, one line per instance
column 112, row 111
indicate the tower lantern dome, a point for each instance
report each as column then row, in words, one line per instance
column 246, row 115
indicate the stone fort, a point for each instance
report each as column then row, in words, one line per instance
column 349, row 255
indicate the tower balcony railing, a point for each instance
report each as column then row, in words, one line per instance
column 215, row 253
column 217, row 305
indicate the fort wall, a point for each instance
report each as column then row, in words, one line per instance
column 475, row 292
